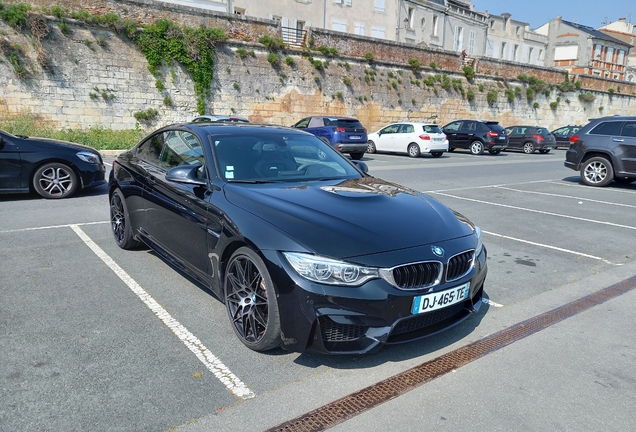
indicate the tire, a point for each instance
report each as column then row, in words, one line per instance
column 120, row 221
column 55, row 180
column 250, row 300
column 413, row 150
column 371, row 147
column 528, row 148
column 451, row 149
column 544, row 151
column 436, row 154
column 597, row 171
column 494, row 152
column 356, row 156
column 476, row 147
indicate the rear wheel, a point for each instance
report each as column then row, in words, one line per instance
column 120, row 221
column 494, row 152
column 55, row 180
column 413, row 150
column 528, row 148
column 544, row 151
column 597, row 171
column 371, row 147
column 476, row 147
column 436, row 154
column 356, row 156
column 251, row 301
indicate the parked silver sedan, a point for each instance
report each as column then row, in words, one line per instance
column 411, row 138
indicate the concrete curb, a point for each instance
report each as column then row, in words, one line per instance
column 106, row 153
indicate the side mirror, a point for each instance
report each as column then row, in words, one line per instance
column 186, row 174
column 361, row 166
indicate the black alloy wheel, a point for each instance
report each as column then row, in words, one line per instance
column 251, row 301
column 371, row 147
column 597, row 171
column 120, row 221
column 55, row 180
column 356, row 156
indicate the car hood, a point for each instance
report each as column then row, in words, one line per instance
column 53, row 143
column 344, row 219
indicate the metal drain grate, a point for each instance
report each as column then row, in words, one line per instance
column 356, row 403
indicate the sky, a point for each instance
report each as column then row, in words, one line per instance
column 593, row 13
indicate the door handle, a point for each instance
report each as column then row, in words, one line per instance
column 151, row 180
column 618, row 140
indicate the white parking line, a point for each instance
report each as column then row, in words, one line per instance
column 211, row 362
column 485, row 186
column 492, row 303
column 574, row 185
column 551, row 247
column 51, row 227
column 565, row 196
column 538, row 211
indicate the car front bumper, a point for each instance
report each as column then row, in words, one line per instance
column 355, row 320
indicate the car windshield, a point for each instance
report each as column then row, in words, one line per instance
column 278, row 157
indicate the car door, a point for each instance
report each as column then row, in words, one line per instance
column 11, row 176
column 386, row 137
column 452, row 132
column 466, row 133
column 517, row 137
column 562, row 136
column 177, row 216
column 405, row 136
column 626, row 149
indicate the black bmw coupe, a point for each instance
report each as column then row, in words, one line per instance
column 306, row 250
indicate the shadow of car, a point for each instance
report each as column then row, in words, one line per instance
column 52, row 168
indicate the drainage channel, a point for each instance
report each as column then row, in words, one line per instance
column 356, row 403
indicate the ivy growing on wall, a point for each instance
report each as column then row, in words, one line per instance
column 165, row 42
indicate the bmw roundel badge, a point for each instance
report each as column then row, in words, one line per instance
column 437, row 251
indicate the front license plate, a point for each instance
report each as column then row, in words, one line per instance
column 442, row 299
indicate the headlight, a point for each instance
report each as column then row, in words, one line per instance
column 480, row 245
column 328, row 271
column 88, row 157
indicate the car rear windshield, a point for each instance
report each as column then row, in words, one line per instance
column 431, row 129
column 345, row 123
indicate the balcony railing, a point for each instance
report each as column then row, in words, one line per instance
column 293, row 36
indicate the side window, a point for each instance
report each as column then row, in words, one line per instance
column 629, row 129
column 150, row 150
column 607, row 128
column 407, row 129
column 560, row 132
column 453, row 127
column 390, row 129
column 468, row 126
column 316, row 122
column 302, row 124
column 181, row 148
column 520, row 131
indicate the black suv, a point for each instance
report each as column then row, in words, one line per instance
column 345, row 134
column 476, row 136
column 604, row 150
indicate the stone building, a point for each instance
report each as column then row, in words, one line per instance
column 513, row 40
column 625, row 31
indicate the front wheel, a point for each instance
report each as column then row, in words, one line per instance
column 413, row 150
column 55, row 180
column 436, row 154
column 371, row 147
column 451, row 149
column 494, row 152
column 356, row 156
column 250, row 300
column 544, row 151
column 528, row 148
column 476, row 147
column 597, row 171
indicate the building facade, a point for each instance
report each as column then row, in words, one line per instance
column 626, row 32
column 584, row 50
column 513, row 40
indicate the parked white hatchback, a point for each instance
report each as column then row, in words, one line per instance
column 413, row 139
